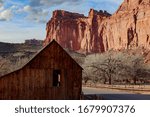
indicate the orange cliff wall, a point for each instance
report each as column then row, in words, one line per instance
column 129, row 27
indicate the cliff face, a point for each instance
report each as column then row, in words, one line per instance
column 129, row 27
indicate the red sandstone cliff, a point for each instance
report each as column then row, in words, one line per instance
column 129, row 27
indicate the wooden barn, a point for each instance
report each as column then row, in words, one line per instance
column 51, row 74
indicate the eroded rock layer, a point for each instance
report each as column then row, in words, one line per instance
column 128, row 27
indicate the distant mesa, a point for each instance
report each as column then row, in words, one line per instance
column 33, row 42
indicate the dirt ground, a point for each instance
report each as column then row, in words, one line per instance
column 135, row 89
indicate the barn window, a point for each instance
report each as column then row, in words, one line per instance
column 56, row 78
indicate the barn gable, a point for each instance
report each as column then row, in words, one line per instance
column 39, row 78
column 53, row 51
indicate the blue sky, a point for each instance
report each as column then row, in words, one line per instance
column 26, row 19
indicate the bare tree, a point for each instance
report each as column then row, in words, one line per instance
column 86, row 77
column 107, row 69
column 117, row 67
column 137, row 71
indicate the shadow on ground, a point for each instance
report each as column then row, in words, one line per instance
column 116, row 97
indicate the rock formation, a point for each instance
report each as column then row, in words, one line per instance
column 128, row 27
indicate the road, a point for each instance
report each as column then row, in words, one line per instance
column 109, row 94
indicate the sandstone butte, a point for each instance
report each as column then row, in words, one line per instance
column 128, row 27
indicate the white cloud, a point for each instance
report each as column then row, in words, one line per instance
column 6, row 15
column 38, row 9
column 27, row 8
column 38, row 15
column 35, row 14
column 14, row 7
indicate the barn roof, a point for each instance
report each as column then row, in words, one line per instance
column 50, row 43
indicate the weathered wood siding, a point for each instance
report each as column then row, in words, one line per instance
column 34, row 80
